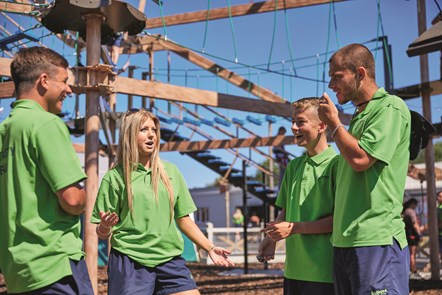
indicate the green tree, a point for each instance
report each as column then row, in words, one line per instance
column 437, row 154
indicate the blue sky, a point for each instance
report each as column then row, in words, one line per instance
column 295, row 42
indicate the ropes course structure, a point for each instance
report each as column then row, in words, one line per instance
column 87, row 29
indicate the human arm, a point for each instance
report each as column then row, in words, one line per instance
column 266, row 250
column 72, row 199
column 281, row 229
column 108, row 220
column 192, row 231
column 348, row 146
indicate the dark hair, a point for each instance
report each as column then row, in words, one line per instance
column 409, row 203
column 353, row 56
column 30, row 63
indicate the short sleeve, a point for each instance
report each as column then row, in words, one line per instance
column 284, row 190
column 184, row 204
column 383, row 131
column 107, row 200
column 56, row 156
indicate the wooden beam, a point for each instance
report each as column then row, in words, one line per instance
column 5, row 67
column 188, row 146
column 157, row 90
column 217, row 70
column 164, row 91
column 11, row 7
column 7, row 90
column 238, row 10
column 415, row 91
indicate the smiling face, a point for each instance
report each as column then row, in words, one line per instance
column 57, row 90
column 147, row 140
column 344, row 83
column 306, row 127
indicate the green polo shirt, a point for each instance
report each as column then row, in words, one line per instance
column 369, row 203
column 36, row 236
column 149, row 236
column 307, row 194
column 439, row 219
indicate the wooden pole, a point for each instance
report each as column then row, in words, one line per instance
column 141, row 5
column 93, row 36
column 151, row 77
column 130, row 98
column 429, row 153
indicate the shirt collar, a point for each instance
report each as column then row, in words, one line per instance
column 141, row 168
column 28, row 104
column 377, row 97
column 321, row 157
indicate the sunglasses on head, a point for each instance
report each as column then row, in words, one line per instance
column 136, row 110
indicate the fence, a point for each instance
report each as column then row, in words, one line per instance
column 232, row 238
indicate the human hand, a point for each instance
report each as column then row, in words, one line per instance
column 327, row 111
column 278, row 230
column 219, row 256
column 266, row 250
column 108, row 219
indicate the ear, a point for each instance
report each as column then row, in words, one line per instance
column 361, row 73
column 43, row 80
column 322, row 127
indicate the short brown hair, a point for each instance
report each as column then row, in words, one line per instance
column 306, row 103
column 353, row 56
column 30, row 63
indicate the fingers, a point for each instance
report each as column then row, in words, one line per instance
column 326, row 99
column 109, row 219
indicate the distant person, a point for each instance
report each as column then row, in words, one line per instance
column 306, row 197
column 281, row 156
column 254, row 220
column 413, row 231
column 142, row 204
column 372, row 167
column 238, row 218
column 439, row 220
column 115, row 44
column 40, row 174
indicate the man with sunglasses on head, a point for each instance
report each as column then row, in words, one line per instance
column 41, row 198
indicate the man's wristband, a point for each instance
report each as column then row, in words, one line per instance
column 336, row 129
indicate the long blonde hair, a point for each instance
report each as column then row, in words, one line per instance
column 128, row 155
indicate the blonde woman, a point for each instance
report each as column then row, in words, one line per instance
column 141, row 201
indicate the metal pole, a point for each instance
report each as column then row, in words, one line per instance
column 93, row 35
column 271, row 178
column 227, row 200
column 429, row 153
column 246, row 214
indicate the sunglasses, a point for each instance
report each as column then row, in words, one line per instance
column 136, row 110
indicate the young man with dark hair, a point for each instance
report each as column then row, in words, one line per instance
column 41, row 196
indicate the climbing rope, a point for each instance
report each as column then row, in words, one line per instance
column 207, row 25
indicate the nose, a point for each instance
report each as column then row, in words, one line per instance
column 331, row 84
column 68, row 89
column 294, row 127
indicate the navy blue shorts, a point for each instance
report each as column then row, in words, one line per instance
column 372, row 270
column 129, row 277
column 77, row 284
column 296, row 287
